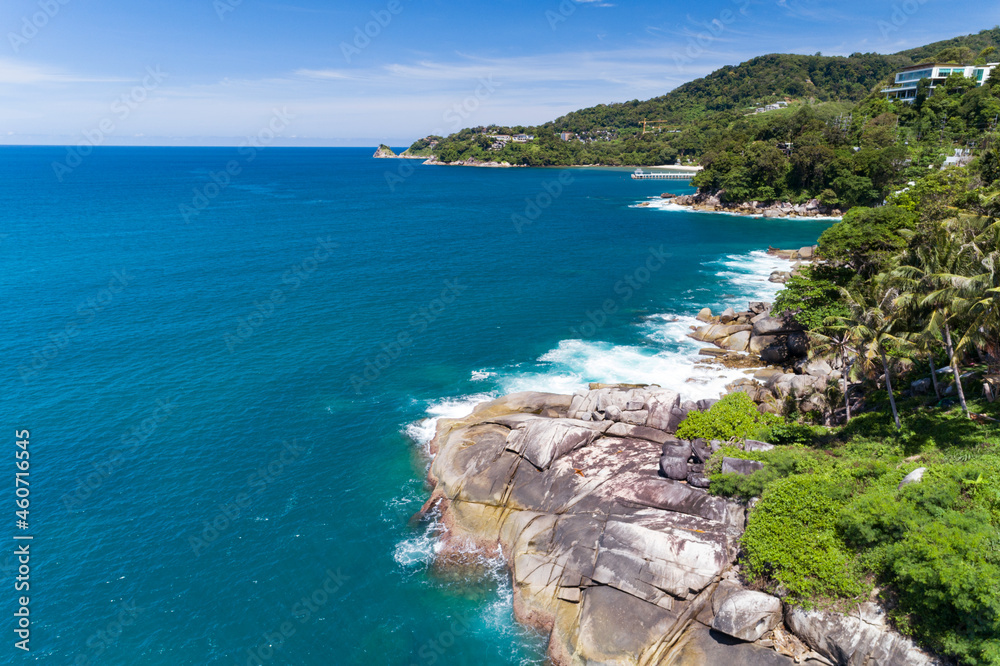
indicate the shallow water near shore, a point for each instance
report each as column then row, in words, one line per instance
column 228, row 412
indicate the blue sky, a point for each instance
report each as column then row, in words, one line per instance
column 210, row 72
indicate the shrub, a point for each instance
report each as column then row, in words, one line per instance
column 733, row 417
column 791, row 539
column 788, row 434
column 867, row 238
column 936, row 544
column 948, row 580
column 875, row 517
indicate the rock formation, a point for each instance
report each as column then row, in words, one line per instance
column 620, row 563
column 713, row 201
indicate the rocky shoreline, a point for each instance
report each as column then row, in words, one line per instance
column 712, row 202
column 774, row 349
column 615, row 547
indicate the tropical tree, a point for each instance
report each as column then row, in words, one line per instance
column 871, row 329
column 983, row 289
column 962, row 298
column 836, row 337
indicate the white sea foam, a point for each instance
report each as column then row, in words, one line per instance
column 575, row 363
column 418, row 551
column 493, row 618
column 669, row 360
column 422, row 431
column 747, row 275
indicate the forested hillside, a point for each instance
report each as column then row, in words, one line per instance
column 705, row 118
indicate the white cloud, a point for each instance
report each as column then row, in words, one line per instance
column 17, row 73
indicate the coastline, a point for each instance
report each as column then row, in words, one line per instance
column 784, row 210
column 746, row 274
column 434, row 161
column 611, row 555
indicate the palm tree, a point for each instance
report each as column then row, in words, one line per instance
column 935, row 288
column 870, row 328
column 963, row 298
column 835, row 336
column 984, row 289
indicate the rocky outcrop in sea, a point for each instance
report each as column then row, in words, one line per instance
column 614, row 545
column 713, row 201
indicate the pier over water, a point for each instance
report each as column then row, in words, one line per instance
column 639, row 174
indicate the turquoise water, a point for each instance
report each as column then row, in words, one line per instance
column 228, row 383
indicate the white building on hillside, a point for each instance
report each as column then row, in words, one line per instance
column 905, row 85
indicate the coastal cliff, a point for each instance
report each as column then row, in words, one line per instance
column 614, row 546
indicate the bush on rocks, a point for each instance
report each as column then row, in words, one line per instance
column 734, row 417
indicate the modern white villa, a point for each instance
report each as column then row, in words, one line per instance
column 905, row 86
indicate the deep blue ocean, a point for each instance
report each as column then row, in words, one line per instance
column 229, row 380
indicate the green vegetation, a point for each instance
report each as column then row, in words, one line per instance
column 423, row 147
column 904, row 290
column 831, row 523
column 733, row 417
column 952, row 47
column 813, row 296
column 867, row 238
column 837, row 141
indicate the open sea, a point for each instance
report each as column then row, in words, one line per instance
column 230, row 363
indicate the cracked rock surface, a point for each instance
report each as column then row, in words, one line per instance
column 616, row 561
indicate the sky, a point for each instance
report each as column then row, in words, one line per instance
column 337, row 73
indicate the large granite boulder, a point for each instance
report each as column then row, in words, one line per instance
column 677, row 449
column 543, row 440
column 853, row 641
column 747, row 615
column 776, row 353
column 798, row 344
column 714, row 332
column 673, row 468
column 740, row 466
column 768, row 326
column 652, row 407
column 775, row 326
column 758, row 343
column 816, row 368
column 737, row 342
column 701, row 450
column 797, row 386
